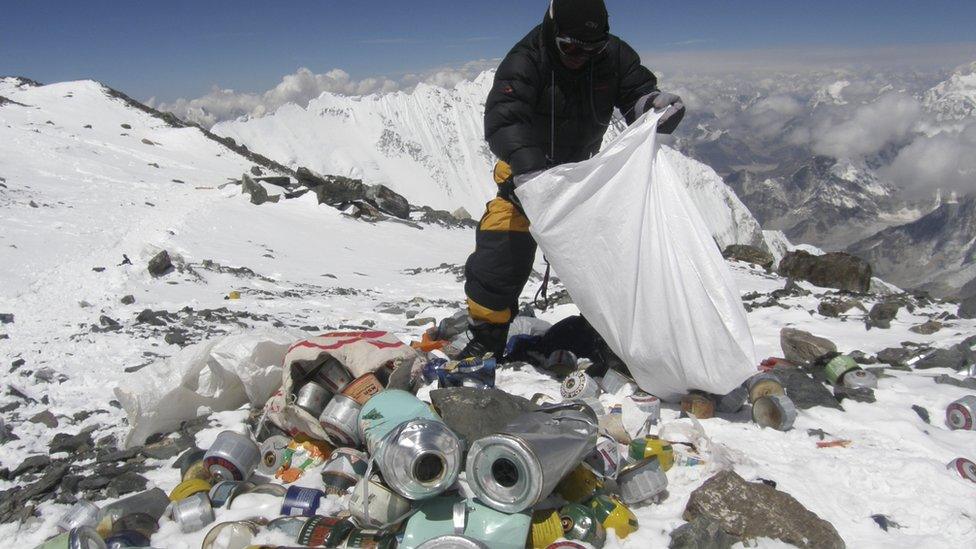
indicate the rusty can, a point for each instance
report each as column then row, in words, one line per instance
column 613, row 513
column 641, row 481
column 312, row 398
column 321, row 531
column 546, row 528
column 579, row 484
column 333, row 376
column 764, row 384
column 232, row 456
column 965, row 468
column 650, row 445
column 197, row 470
column 579, row 385
column 698, row 405
column 363, row 388
column 580, row 524
column 776, row 411
column 960, row 414
column 340, row 420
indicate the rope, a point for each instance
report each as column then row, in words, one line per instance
column 543, row 291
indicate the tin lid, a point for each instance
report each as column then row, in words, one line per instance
column 504, row 473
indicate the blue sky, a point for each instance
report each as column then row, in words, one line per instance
column 181, row 48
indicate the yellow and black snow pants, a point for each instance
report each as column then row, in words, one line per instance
column 497, row 271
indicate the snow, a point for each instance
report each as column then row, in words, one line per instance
column 317, row 267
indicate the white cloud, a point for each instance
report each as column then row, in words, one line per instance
column 943, row 161
column 869, row 128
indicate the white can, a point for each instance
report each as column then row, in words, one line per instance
column 961, row 413
column 578, row 385
column 340, row 420
column 649, row 404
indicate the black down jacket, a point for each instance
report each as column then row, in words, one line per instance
column 532, row 87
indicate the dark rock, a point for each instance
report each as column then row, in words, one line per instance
column 166, row 448
column 388, row 201
column 833, row 307
column 422, row 321
column 176, row 337
column 282, row 181
column 800, row 347
column 833, row 270
column 126, row 127
column 955, row 357
column 256, row 170
column 858, row 394
column 749, row 254
column 884, row 522
column 17, row 364
column 922, row 413
column 6, row 318
column 862, row 358
column 363, row 210
column 46, row 418
column 94, row 482
column 46, row 375
column 31, row 465
column 332, row 189
column 967, row 308
column 119, row 455
column 15, row 503
column 895, row 356
column 882, row 314
column 461, row 214
column 259, row 195
column 701, row 533
column 128, row 299
column 968, row 383
column 160, row 264
column 751, row 510
column 71, row 443
column 126, row 483
column 148, row 316
column 443, row 218
column 147, row 142
column 475, row 413
column 927, row 328
column 805, row 391
column 109, row 323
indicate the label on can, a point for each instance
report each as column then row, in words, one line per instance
column 363, row 388
column 650, row 445
column 547, row 527
column 579, row 523
column 605, row 457
column 322, row 531
column 959, row 414
column 300, row 501
column 578, row 385
column 612, row 513
column 837, row 367
column 965, row 468
column 370, row 539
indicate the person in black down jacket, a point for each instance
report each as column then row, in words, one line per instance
column 553, row 98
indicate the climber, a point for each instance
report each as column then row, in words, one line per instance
column 552, row 101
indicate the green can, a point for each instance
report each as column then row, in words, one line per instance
column 580, row 523
column 837, row 367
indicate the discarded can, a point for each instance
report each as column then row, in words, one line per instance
column 579, row 485
column 373, row 504
column 82, row 537
column 222, row 491
column 136, row 523
column 232, row 456
column 452, row 542
column 605, row 457
column 445, row 515
column 732, row 402
column 561, row 362
column 470, row 372
column 301, row 502
column 154, row 503
column 764, row 384
column 960, row 414
column 649, row 404
column 82, row 513
column 418, row 455
column 312, row 398
column 339, row 421
column 231, row 535
column 860, row 379
column 187, row 488
column 248, row 494
column 197, row 470
column 837, row 367
column 193, row 513
column 370, row 539
column 322, row 531
column 965, row 468
column 291, row 526
column 273, row 454
column 546, row 528
column 698, row 405
column 125, row 540
column 776, row 411
column 343, row 470
column 641, row 481
column 652, row 446
column 333, row 376
column 517, row 468
column 613, row 381
column 363, row 388
column 579, row 385
column 187, row 459
column 613, row 513
column 580, row 524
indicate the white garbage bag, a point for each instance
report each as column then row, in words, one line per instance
column 625, row 238
column 216, row 375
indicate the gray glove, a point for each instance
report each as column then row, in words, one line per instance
column 674, row 109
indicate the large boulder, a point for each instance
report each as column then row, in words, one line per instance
column 160, row 264
column 967, row 309
column 805, row 391
column 259, row 195
column 332, row 189
column 956, row 358
column 749, row 254
column 701, row 533
column 882, row 314
column 752, row 510
column 802, row 347
column 388, row 201
column 834, row 270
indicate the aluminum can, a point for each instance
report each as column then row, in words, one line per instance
column 339, row 421
column 641, row 481
column 764, row 384
column 333, row 376
column 418, row 455
column 187, row 488
column 232, row 456
column 343, row 470
column 579, row 385
column 652, row 446
column 273, row 454
column 250, row 489
column 580, row 524
column 517, row 468
column 698, row 405
column 82, row 513
column 82, row 537
column 193, row 513
column 613, row 513
column 776, row 411
column 649, row 404
column 452, row 542
column 363, row 388
column 231, row 535
column 561, row 362
column 370, row 539
column 301, row 502
column 837, row 367
column 860, row 379
column 965, row 468
column 605, row 457
column 383, row 507
column 960, row 414
column 222, row 491
column 613, row 381
column 546, row 528
column 322, row 531
column 734, row 401
column 312, row 398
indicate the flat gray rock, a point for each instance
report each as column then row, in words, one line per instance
column 801, row 347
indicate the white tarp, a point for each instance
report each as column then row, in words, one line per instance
column 625, row 238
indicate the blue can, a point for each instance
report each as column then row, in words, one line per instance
column 301, row 502
column 470, row 372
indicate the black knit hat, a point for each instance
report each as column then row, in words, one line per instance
column 585, row 20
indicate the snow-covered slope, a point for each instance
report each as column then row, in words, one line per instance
column 429, row 146
column 955, row 98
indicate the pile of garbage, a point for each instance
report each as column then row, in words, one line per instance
column 346, row 455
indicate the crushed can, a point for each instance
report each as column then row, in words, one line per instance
column 546, row 528
column 187, row 459
column 231, row 535
column 580, row 524
column 605, row 457
column 776, row 411
column 418, row 455
column 82, row 513
column 960, row 414
column 82, row 537
column 374, row 505
column 613, row 513
column 363, row 388
column 232, row 456
column 445, row 515
column 649, row 404
column 965, row 468
column 339, row 421
column 642, row 481
column 764, row 384
column 613, row 382
column 312, row 398
column 652, row 446
column 321, row 531
column 698, row 405
column 579, row 385
column 193, row 513
column 860, row 379
column 561, row 362
column 187, row 488
column 515, row 469
column 333, row 376
column 838, row 366
column 273, row 454
column 343, row 470
column 580, row 484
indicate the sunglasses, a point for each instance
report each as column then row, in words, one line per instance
column 571, row 47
